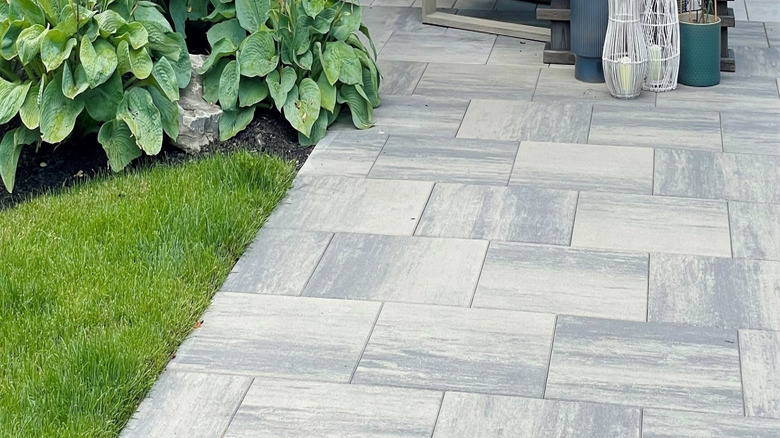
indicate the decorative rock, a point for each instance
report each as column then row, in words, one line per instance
column 198, row 119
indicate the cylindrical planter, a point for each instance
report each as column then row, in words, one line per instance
column 699, row 52
column 661, row 29
column 625, row 50
column 588, row 29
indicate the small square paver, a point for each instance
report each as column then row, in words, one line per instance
column 559, row 84
column 393, row 268
column 655, row 128
column 517, row 213
column 761, row 372
column 446, row 159
column 645, row 364
column 328, row 203
column 493, row 416
column 516, row 120
column 479, row 81
column 734, row 93
column 652, row 224
column 279, row 337
column 192, row 405
column 751, row 133
column 309, row 409
column 714, row 292
column 451, row 47
column 345, row 153
column 715, row 175
column 449, row 348
column 755, row 230
column 564, row 281
column 584, row 167
column 279, row 262
column 399, row 78
column 658, row 423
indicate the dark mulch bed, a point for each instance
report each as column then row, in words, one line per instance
column 77, row 160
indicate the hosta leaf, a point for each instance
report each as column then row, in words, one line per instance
column 318, row 131
column 169, row 112
column 347, row 22
column 252, row 14
column 12, row 97
column 340, row 63
column 370, row 87
column 30, row 111
column 26, row 10
column 211, row 82
column 164, row 43
column 119, row 144
column 313, row 7
column 233, row 122
column 109, row 22
column 222, row 48
column 304, row 61
column 280, row 86
column 359, row 106
column 101, row 102
column 67, row 22
column 143, row 118
column 10, row 149
column 301, row 41
column 136, row 61
column 178, row 11
column 51, row 8
column 165, row 77
column 135, row 34
column 323, row 20
column 181, row 65
column 99, row 60
column 28, row 43
column 251, row 91
column 230, row 29
column 258, row 55
column 55, row 48
column 8, row 48
column 327, row 93
column 228, row 85
column 73, row 84
column 148, row 12
column 58, row 113
column 221, row 12
column 364, row 31
column 303, row 106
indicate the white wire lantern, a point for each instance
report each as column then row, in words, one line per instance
column 661, row 27
column 625, row 52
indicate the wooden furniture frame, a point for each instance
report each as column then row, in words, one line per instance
column 430, row 15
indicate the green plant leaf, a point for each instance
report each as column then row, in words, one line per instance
column 313, row 7
column 118, row 142
column 318, row 131
column 370, row 87
column 280, row 86
column 8, row 48
column 364, row 31
column 109, row 22
column 233, row 122
column 136, row 61
column 99, row 60
column 135, row 34
column 162, row 42
column 251, row 91
column 230, row 29
column 252, row 14
column 101, row 102
column 222, row 48
column 169, row 112
column 327, row 93
column 258, row 55
column 347, row 22
column 228, row 85
column 304, row 61
column 359, row 106
column 323, row 20
column 221, row 12
column 165, row 77
column 301, row 41
column 181, row 65
column 12, row 97
column 143, row 118
column 30, row 111
column 26, row 10
column 178, row 11
column 211, row 82
column 10, row 149
column 73, row 84
column 58, row 113
column 55, row 48
column 28, row 44
column 148, row 12
column 341, row 64
column 303, row 106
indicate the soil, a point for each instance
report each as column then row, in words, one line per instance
column 52, row 169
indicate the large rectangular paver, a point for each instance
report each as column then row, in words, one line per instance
column 733, row 94
column 307, row 409
column 279, row 262
column 418, row 115
column 747, row 34
column 515, row 120
column 762, row 10
column 392, row 268
column 192, row 405
column 476, row 350
column 755, row 230
column 399, row 78
column 659, row 423
column 761, row 372
column 479, row 81
column 584, row 167
column 751, row 133
column 565, row 281
column 645, row 364
column 277, row 336
column 701, row 174
column 358, row 205
column 652, row 223
column 714, row 292
column 452, row 47
column 559, row 84
column 514, row 51
column 345, row 153
column 492, row 416
column 655, row 128
column 517, row 213
column 757, row 61
column 446, row 159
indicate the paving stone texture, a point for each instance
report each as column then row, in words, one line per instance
column 508, row 252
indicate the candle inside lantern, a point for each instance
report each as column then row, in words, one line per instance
column 656, row 72
column 624, row 75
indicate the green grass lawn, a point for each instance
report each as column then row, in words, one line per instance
column 99, row 285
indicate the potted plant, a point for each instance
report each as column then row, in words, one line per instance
column 699, row 43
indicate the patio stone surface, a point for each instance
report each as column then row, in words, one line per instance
column 652, row 223
column 761, row 372
column 584, row 167
column 515, row 51
column 559, row 84
column 645, row 364
column 735, row 93
column 456, row 48
column 758, row 61
column 345, row 153
column 399, row 77
column 517, row 213
column 446, row 159
column 751, row 133
column 765, row 10
column 658, row 423
column 449, row 348
column 564, row 281
column 714, row 292
column 417, row 115
column 392, row 268
column 479, row 81
column 492, row 416
column 755, row 230
column 747, row 34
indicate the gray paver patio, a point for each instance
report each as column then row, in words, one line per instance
column 508, row 252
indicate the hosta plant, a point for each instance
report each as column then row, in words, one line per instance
column 113, row 67
column 303, row 57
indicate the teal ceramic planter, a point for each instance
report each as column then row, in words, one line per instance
column 699, row 53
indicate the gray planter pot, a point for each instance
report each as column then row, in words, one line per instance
column 589, row 20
